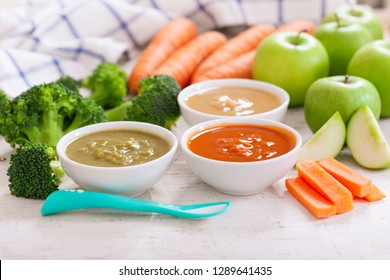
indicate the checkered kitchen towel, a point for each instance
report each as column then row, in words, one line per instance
column 40, row 40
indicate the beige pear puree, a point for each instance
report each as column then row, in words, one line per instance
column 233, row 101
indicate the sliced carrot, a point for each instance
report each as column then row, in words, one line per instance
column 240, row 44
column 326, row 185
column 170, row 37
column 309, row 198
column 356, row 183
column 298, row 25
column 375, row 194
column 183, row 62
column 239, row 67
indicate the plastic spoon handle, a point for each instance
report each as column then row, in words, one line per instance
column 65, row 200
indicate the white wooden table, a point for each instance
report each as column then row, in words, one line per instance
column 271, row 225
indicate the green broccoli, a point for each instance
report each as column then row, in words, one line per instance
column 69, row 82
column 44, row 113
column 5, row 109
column 107, row 84
column 156, row 103
column 34, row 171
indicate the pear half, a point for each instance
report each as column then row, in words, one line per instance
column 327, row 141
column 366, row 141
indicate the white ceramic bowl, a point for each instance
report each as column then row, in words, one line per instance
column 240, row 178
column 192, row 116
column 129, row 180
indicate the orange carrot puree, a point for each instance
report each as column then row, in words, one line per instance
column 241, row 143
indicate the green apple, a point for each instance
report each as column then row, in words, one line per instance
column 292, row 61
column 341, row 41
column 372, row 62
column 345, row 94
column 366, row 141
column 361, row 14
column 326, row 142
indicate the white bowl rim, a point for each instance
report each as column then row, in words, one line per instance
column 270, row 88
column 72, row 135
column 239, row 120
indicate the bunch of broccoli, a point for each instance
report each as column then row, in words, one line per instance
column 155, row 103
column 34, row 121
column 46, row 112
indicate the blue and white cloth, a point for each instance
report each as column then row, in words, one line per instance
column 40, row 40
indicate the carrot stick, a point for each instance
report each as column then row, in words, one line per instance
column 298, row 25
column 183, row 62
column 309, row 198
column 324, row 183
column 356, row 183
column 170, row 37
column 375, row 194
column 240, row 44
column 239, row 67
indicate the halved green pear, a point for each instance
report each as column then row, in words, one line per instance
column 327, row 141
column 366, row 141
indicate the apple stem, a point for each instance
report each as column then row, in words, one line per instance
column 298, row 35
column 337, row 20
column 346, row 79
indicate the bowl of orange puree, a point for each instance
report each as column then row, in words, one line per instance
column 241, row 155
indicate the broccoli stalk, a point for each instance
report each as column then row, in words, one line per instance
column 44, row 113
column 155, row 103
column 34, row 171
column 107, row 84
column 119, row 113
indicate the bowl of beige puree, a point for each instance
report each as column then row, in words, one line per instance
column 224, row 98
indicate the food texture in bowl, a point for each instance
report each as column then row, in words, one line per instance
column 117, row 147
column 223, row 98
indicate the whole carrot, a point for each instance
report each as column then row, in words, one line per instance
column 242, row 43
column 239, row 67
column 298, row 25
column 183, row 62
column 168, row 39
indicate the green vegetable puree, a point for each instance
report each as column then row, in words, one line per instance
column 114, row 148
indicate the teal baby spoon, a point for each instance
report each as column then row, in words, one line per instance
column 65, row 200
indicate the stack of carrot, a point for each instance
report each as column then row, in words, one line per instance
column 180, row 51
column 327, row 187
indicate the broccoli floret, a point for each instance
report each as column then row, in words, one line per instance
column 156, row 103
column 44, row 113
column 69, row 82
column 107, row 84
column 5, row 110
column 34, row 171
